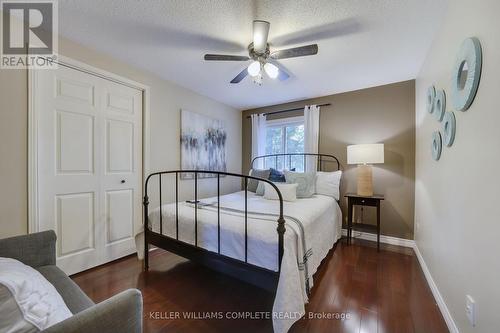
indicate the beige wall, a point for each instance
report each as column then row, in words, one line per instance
column 381, row 114
column 165, row 103
column 456, row 211
column 13, row 152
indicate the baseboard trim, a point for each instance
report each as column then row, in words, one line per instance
column 435, row 291
column 383, row 239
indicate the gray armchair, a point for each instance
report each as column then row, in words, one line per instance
column 120, row 313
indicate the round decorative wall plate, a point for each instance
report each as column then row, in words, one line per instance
column 436, row 145
column 449, row 128
column 431, row 95
column 466, row 74
column 439, row 104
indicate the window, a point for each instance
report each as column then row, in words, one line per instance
column 285, row 136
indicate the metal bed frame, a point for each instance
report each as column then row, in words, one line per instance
column 320, row 159
column 243, row 270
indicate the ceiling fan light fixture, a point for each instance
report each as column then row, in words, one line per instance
column 271, row 70
column 261, row 57
column 254, row 68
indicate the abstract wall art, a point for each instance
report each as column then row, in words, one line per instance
column 203, row 144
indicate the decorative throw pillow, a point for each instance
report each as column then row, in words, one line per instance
column 260, row 188
column 38, row 301
column 252, row 183
column 328, row 183
column 288, row 191
column 306, row 182
column 12, row 317
column 276, row 176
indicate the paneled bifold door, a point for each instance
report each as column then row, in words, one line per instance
column 89, row 165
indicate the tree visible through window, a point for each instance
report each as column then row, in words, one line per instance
column 287, row 137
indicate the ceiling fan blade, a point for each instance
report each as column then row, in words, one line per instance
column 225, row 57
column 240, row 76
column 335, row 29
column 260, row 34
column 283, row 75
column 300, row 51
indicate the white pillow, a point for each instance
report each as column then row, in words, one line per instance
column 38, row 300
column 12, row 317
column 288, row 191
column 328, row 183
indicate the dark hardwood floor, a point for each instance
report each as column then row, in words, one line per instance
column 382, row 291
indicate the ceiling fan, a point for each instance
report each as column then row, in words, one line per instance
column 263, row 59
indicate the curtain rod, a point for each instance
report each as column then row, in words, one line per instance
column 289, row 110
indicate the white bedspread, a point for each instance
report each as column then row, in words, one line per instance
column 319, row 216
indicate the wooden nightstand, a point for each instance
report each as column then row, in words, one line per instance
column 372, row 201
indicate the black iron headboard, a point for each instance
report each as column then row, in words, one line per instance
column 321, row 159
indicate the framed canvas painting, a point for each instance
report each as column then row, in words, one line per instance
column 203, row 144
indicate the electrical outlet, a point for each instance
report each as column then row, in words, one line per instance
column 470, row 310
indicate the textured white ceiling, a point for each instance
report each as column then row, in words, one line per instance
column 362, row 43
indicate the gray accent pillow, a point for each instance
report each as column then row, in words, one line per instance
column 252, row 183
column 260, row 188
column 306, row 182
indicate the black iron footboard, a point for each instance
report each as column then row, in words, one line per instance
column 243, row 270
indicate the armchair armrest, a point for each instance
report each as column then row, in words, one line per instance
column 34, row 250
column 120, row 313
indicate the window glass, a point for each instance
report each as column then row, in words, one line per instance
column 274, row 140
column 285, row 138
column 295, row 139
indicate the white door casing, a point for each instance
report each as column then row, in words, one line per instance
column 89, row 165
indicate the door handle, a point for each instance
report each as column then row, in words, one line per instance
column 123, row 181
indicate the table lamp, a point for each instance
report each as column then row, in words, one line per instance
column 364, row 155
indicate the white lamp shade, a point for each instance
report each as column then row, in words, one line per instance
column 365, row 154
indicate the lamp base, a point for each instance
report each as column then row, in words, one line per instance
column 365, row 180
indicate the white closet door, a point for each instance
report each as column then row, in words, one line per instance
column 121, row 178
column 89, row 165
